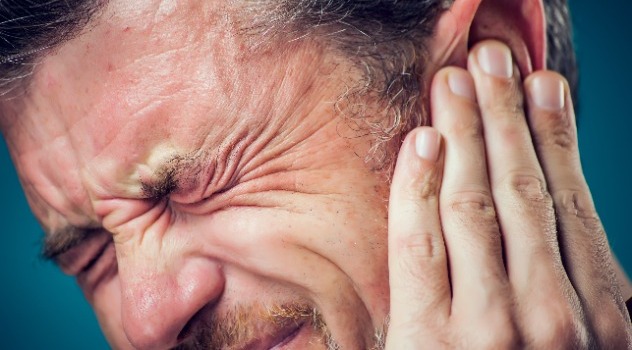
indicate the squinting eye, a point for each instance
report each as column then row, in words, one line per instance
column 85, row 254
column 97, row 255
column 100, row 265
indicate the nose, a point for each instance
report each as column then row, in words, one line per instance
column 160, row 296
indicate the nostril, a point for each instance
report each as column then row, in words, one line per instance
column 193, row 325
column 190, row 327
column 149, row 337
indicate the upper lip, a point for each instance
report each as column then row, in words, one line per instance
column 266, row 335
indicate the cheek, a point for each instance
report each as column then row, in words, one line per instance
column 301, row 242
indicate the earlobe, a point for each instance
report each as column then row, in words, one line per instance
column 520, row 24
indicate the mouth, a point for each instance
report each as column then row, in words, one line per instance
column 273, row 328
column 286, row 338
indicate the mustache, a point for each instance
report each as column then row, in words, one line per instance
column 241, row 326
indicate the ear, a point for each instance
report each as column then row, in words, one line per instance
column 519, row 23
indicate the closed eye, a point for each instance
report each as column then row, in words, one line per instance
column 84, row 253
column 95, row 257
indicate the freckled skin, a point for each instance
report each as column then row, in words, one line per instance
column 299, row 212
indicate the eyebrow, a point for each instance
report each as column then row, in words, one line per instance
column 64, row 239
column 172, row 174
column 166, row 180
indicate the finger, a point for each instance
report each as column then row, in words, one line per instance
column 583, row 242
column 525, row 209
column 419, row 282
column 524, row 205
column 467, row 211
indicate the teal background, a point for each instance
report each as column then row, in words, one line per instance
column 42, row 309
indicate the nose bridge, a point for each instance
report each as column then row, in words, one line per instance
column 161, row 293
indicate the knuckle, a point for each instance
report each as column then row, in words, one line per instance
column 474, row 212
column 473, row 209
column 527, row 186
column 576, row 202
column 425, row 188
column 472, row 203
column 555, row 128
column 424, row 245
column 530, row 198
column 579, row 205
column 419, row 259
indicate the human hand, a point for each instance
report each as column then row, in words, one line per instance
column 494, row 241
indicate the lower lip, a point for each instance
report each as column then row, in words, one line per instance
column 293, row 340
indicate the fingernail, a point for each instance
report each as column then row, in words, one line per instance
column 547, row 92
column 461, row 84
column 427, row 144
column 495, row 59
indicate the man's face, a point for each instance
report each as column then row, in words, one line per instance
column 223, row 202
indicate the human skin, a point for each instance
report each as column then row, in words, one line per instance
column 276, row 156
column 280, row 208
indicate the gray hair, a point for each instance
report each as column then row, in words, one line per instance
column 384, row 38
column 387, row 40
column 29, row 29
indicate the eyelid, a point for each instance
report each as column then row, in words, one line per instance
column 75, row 260
column 95, row 258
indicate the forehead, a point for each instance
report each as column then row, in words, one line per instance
column 139, row 77
column 148, row 82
